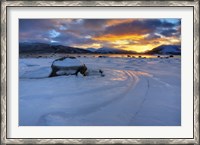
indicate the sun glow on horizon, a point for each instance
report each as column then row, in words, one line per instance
column 111, row 37
column 86, row 46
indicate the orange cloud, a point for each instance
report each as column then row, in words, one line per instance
column 118, row 21
column 135, row 42
column 136, row 38
column 111, row 37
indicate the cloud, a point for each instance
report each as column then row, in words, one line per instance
column 152, row 36
column 138, row 26
column 169, row 32
column 112, row 22
column 53, row 33
column 136, row 34
column 94, row 24
column 27, row 25
column 113, row 37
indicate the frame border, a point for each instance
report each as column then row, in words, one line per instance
column 86, row 3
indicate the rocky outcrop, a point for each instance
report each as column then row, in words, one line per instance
column 67, row 66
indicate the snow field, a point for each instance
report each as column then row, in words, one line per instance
column 134, row 92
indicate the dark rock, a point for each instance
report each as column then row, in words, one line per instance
column 102, row 56
column 67, row 66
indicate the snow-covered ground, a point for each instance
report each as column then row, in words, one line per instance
column 133, row 92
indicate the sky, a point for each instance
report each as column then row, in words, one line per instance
column 128, row 34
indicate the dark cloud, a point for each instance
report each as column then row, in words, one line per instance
column 94, row 24
column 169, row 32
column 69, row 39
column 138, row 26
column 26, row 25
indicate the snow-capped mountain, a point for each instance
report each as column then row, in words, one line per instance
column 166, row 49
column 92, row 49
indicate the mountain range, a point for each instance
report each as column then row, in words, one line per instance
column 41, row 48
column 166, row 49
column 113, row 51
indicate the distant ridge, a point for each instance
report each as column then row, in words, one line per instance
column 113, row 51
column 40, row 48
column 92, row 49
column 166, row 49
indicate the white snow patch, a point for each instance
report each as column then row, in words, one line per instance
column 67, row 62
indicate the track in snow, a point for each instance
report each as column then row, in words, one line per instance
column 131, row 81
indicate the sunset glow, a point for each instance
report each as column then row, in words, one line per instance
column 129, row 34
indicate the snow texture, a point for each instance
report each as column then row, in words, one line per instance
column 68, row 62
column 133, row 92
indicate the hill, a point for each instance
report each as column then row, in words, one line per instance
column 39, row 48
column 166, row 49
